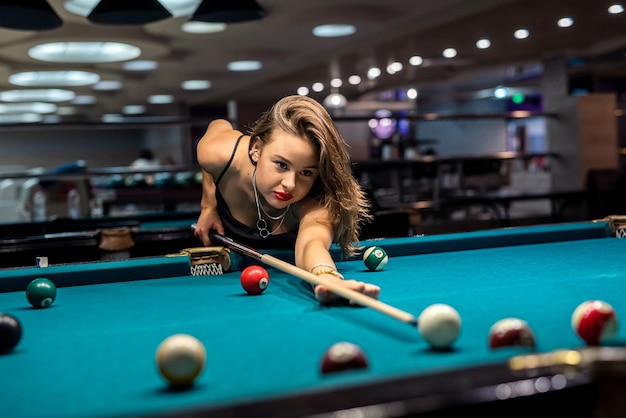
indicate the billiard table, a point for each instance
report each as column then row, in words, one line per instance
column 92, row 353
column 80, row 240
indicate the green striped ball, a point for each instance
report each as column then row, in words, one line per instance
column 375, row 258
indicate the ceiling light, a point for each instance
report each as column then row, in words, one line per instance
column 449, row 53
column 354, row 80
column 244, row 65
column 317, row 87
column 565, row 22
column 333, row 31
column 161, row 99
column 231, row 11
column 616, row 9
column 125, row 12
column 108, row 85
column 416, row 60
column 521, row 34
column 196, row 84
column 202, row 27
column 145, row 65
column 336, row 82
column 394, row 67
column 37, row 95
column 21, row 118
column 84, row 52
column 303, row 91
column 84, row 100
column 412, row 94
column 112, row 118
column 28, row 15
column 483, row 43
column 500, row 92
column 177, row 8
column 134, row 109
column 66, row 110
column 335, row 101
column 34, row 107
column 54, row 78
column 373, row 73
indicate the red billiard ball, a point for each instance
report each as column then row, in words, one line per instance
column 594, row 321
column 254, row 279
column 343, row 356
column 511, row 332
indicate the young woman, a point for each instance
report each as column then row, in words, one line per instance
column 288, row 184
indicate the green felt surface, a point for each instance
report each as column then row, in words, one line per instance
column 92, row 352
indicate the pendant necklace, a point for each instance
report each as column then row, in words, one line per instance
column 261, row 224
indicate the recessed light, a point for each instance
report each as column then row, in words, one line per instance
column 196, row 27
column 161, row 99
column 616, row 9
column 317, row 87
column 68, row 78
column 521, row 34
column 373, row 73
column 108, row 85
column 394, row 67
column 248, row 65
column 483, row 43
column 354, row 80
column 89, row 52
column 303, row 91
column 336, row 83
column 140, row 65
column 416, row 60
column 565, row 22
column 449, row 53
column 196, row 84
column 333, row 30
column 41, row 95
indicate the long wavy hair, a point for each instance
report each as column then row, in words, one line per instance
column 336, row 188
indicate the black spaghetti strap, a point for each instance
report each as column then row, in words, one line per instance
column 232, row 156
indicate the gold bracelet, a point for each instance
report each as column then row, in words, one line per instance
column 329, row 271
column 330, row 266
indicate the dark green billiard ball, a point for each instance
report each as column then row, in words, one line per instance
column 41, row 292
column 10, row 332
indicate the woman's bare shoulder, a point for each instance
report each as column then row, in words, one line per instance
column 216, row 146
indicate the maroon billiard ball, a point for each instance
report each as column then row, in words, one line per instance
column 343, row 356
column 594, row 321
column 254, row 279
column 511, row 332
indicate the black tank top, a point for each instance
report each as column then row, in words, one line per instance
column 243, row 233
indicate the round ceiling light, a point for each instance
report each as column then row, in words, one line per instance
column 89, row 52
column 176, row 7
column 68, row 78
column 333, row 31
column 37, row 95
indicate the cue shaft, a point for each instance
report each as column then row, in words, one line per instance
column 332, row 285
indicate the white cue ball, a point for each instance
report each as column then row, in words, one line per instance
column 439, row 325
column 180, row 359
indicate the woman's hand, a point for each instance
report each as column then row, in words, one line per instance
column 325, row 296
column 207, row 221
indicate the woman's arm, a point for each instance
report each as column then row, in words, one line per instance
column 211, row 158
column 312, row 254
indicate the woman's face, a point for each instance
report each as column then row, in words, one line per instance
column 287, row 167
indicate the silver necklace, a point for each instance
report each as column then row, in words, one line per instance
column 261, row 224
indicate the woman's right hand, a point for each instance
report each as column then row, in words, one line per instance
column 208, row 220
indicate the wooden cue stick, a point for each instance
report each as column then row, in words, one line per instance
column 332, row 285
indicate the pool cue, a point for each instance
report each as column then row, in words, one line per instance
column 332, row 285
